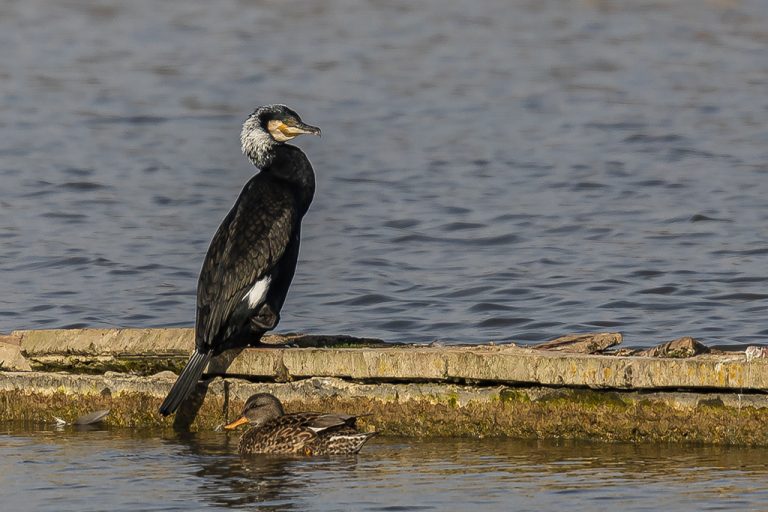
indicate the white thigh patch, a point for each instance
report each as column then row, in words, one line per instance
column 257, row 293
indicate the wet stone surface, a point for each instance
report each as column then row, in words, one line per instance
column 417, row 410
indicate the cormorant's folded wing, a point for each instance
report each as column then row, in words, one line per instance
column 249, row 242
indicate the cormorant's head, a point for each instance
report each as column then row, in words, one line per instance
column 270, row 125
column 259, row 409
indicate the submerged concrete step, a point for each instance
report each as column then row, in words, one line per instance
column 407, row 409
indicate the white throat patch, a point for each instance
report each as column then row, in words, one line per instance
column 256, row 143
column 257, row 293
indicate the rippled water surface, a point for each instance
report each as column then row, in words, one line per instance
column 129, row 471
column 489, row 170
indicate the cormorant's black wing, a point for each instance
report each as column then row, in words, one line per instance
column 250, row 241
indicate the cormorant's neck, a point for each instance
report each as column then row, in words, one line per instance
column 257, row 144
column 282, row 161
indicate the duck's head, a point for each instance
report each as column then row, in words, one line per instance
column 259, row 409
column 268, row 126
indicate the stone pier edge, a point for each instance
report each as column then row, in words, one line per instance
column 479, row 391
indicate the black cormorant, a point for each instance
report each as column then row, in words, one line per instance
column 252, row 257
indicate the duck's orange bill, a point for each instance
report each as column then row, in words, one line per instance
column 236, row 423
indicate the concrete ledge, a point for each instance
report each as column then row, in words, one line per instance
column 158, row 342
column 147, row 351
column 105, row 341
column 482, row 390
column 417, row 410
column 499, row 364
column 11, row 358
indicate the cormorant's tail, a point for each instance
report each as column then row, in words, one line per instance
column 185, row 383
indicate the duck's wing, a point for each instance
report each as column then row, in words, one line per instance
column 323, row 422
column 245, row 249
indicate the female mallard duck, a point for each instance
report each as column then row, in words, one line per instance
column 306, row 433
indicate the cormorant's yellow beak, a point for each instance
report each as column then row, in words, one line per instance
column 295, row 128
column 236, row 423
column 290, row 128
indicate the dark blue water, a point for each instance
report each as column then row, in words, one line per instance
column 128, row 471
column 488, row 171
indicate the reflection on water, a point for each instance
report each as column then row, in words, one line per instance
column 128, row 470
column 493, row 170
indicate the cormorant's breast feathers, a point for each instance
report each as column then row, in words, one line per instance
column 246, row 247
column 290, row 165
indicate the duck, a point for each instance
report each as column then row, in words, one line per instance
column 252, row 258
column 272, row 431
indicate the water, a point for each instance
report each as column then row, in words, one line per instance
column 488, row 171
column 133, row 470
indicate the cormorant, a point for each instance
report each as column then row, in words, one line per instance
column 252, row 257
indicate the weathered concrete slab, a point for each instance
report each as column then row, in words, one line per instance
column 680, row 348
column 147, row 351
column 157, row 342
column 410, row 409
column 408, row 390
column 593, row 343
column 500, row 364
column 11, row 358
column 104, row 342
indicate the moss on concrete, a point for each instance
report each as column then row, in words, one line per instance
column 126, row 409
column 96, row 365
column 582, row 415
column 513, row 395
column 414, row 410
column 399, row 390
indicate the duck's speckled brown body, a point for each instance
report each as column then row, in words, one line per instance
column 304, row 433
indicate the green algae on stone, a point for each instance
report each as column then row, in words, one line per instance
column 412, row 410
column 92, row 365
column 126, row 409
column 513, row 395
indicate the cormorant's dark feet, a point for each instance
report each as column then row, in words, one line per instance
column 266, row 320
